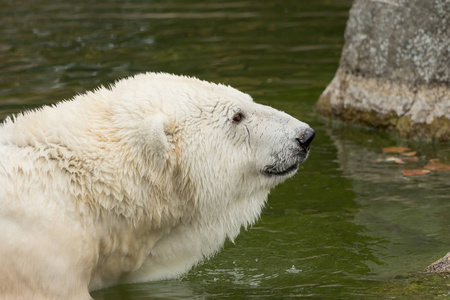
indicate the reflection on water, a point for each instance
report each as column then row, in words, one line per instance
column 408, row 212
column 343, row 227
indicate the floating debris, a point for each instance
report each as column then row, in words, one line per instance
column 412, row 153
column 395, row 149
column 411, row 159
column 403, row 156
column 415, row 172
column 438, row 167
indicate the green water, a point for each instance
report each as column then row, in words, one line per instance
column 348, row 226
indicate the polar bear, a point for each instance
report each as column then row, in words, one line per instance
column 135, row 182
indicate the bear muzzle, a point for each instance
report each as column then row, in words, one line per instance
column 287, row 166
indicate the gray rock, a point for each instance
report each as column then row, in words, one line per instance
column 440, row 266
column 394, row 71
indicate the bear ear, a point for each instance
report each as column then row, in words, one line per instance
column 154, row 135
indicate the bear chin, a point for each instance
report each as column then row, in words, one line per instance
column 271, row 171
column 286, row 168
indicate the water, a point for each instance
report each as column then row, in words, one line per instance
column 349, row 225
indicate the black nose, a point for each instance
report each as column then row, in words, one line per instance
column 306, row 138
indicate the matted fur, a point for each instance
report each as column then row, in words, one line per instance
column 135, row 182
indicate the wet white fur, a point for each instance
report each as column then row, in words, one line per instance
column 135, row 182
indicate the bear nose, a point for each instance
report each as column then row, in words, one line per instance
column 306, row 138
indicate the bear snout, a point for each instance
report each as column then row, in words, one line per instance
column 306, row 138
column 287, row 160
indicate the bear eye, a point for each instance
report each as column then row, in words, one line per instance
column 238, row 117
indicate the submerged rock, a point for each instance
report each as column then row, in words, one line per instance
column 394, row 70
column 440, row 266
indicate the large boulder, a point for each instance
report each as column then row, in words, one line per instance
column 394, row 72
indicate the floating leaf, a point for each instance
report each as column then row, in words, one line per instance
column 411, row 159
column 399, row 161
column 415, row 172
column 438, row 167
column 412, row 153
column 395, row 149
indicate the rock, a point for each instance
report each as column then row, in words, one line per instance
column 394, row 71
column 440, row 266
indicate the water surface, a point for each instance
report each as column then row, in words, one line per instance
column 349, row 225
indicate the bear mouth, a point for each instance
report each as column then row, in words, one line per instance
column 273, row 171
